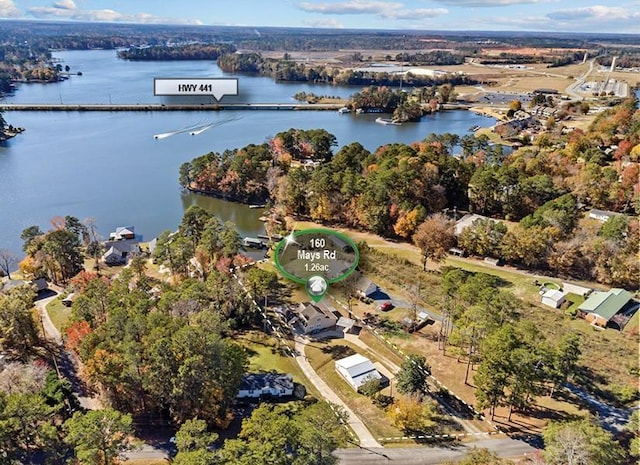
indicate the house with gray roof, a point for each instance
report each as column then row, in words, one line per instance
column 258, row 385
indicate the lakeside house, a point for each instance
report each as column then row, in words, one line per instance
column 358, row 370
column 123, row 233
column 120, row 252
column 121, row 246
column 39, row 285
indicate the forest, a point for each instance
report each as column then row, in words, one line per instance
column 156, row 352
column 541, row 192
column 176, row 52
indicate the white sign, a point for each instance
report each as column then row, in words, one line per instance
column 217, row 87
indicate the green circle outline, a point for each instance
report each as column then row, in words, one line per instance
column 296, row 279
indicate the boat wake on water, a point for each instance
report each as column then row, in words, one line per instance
column 195, row 129
column 164, row 135
column 206, row 127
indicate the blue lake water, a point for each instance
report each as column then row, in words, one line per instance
column 107, row 165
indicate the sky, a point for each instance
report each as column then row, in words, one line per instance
column 619, row 16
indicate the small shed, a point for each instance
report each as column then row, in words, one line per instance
column 347, row 325
column 68, row 300
column 553, row 298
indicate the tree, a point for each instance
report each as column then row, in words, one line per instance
column 99, row 437
column 634, row 428
column 25, row 427
column 581, row 442
column 193, row 442
column 18, row 332
column 411, row 414
column 7, row 262
column 371, row 387
column 28, row 237
column 483, row 237
column 434, row 238
column 62, row 247
column 480, row 457
column 413, row 375
column 287, row 434
column 261, row 283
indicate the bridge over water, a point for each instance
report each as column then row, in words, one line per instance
column 163, row 107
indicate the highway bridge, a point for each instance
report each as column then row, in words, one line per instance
column 163, row 107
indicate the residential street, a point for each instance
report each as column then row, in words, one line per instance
column 430, row 455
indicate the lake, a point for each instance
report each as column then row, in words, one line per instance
column 107, row 165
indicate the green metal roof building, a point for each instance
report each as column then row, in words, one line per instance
column 600, row 307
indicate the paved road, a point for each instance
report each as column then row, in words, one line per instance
column 146, row 452
column 358, row 427
column 429, row 455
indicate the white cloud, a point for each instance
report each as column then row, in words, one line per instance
column 489, row 3
column 67, row 9
column 8, row 9
column 65, row 5
column 594, row 12
column 352, row 7
column 386, row 10
column 331, row 23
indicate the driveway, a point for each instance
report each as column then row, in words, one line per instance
column 67, row 362
column 358, row 427
column 613, row 419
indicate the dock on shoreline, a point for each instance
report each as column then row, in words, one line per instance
column 167, row 107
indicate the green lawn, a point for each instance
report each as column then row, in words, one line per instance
column 58, row 313
column 265, row 357
column 322, row 356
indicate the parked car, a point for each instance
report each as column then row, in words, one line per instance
column 385, row 307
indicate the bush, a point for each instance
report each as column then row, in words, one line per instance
column 622, row 394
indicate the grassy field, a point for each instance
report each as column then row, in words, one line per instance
column 609, row 357
column 322, row 356
column 58, row 313
column 265, row 357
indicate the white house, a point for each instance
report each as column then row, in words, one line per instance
column 601, row 215
column 357, row 370
column 123, row 232
column 256, row 385
column 313, row 318
column 119, row 252
column 467, row 220
column 552, row 298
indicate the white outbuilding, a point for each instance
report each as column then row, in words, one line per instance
column 357, row 370
column 553, row 298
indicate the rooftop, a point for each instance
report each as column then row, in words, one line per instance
column 606, row 304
